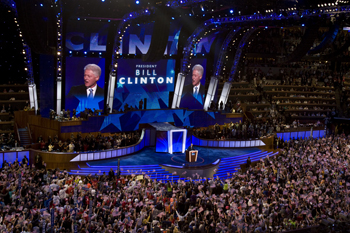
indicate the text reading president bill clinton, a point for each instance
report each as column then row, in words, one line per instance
column 90, row 90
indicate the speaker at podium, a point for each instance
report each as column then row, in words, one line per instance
column 191, row 154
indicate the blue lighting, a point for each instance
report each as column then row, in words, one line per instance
column 103, row 0
column 78, row 18
column 137, row 2
column 303, row 25
column 172, row 18
column 70, row 52
column 41, row 4
column 130, row 15
column 85, row 52
column 231, row 11
column 100, row 53
column 109, row 21
column 190, row 14
column 266, row 27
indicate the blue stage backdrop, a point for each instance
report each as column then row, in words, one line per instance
column 189, row 99
column 76, row 96
column 138, row 80
column 88, row 36
column 130, row 121
column 286, row 136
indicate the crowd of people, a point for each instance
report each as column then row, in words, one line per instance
column 89, row 142
column 307, row 185
column 238, row 130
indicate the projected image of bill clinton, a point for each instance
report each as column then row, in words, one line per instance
column 195, row 89
column 89, row 94
column 90, row 90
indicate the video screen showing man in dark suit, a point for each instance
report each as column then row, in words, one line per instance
column 193, row 94
column 89, row 94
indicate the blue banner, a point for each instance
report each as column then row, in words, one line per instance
column 134, row 75
column 138, row 80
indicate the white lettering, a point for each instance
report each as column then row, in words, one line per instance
column 129, row 81
column 122, row 80
column 136, row 42
column 137, row 72
column 152, row 79
column 143, row 80
column 94, row 46
column 160, row 80
column 169, row 79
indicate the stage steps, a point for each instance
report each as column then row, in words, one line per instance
column 227, row 165
column 153, row 171
column 232, row 164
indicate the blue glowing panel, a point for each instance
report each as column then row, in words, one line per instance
column 162, row 141
column 243, row 143
column 321, row 133
column 301, row 134
column 316, row 134
column 138, row 80
column 136, row 76
column 177, row 141
column 280, row 135
column 286, row 136
column 21, row 155
column 307, row 134
column 203, row 143
column 227, row 144
column 10, row 157
column 76, row 89
column 130, row 121
column 1, row 158
column 294, row 135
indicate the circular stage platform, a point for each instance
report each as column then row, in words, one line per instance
column 148, row 156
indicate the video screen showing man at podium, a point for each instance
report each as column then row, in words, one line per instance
column 191, row 154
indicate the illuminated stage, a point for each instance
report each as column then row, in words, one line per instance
column 161, row 166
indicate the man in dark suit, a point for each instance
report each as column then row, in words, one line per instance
column 190, row 147
column 87, row 95
column 195, row 90
column 92, row 73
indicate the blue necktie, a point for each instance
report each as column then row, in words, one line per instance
column 195, row 92
column 91, row 94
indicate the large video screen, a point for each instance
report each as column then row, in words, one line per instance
column 194, row 91
column 150, row 82
column 79, row 84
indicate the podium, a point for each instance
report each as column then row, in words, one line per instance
column 191, row 156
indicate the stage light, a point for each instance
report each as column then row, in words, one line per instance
column 103, row 0
column 303, row 25
column 100, row 53
column 41, row 4
column 85, row 52
column 231, row 11
column 70, row 52
column 137, row 2
column 78, row 18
